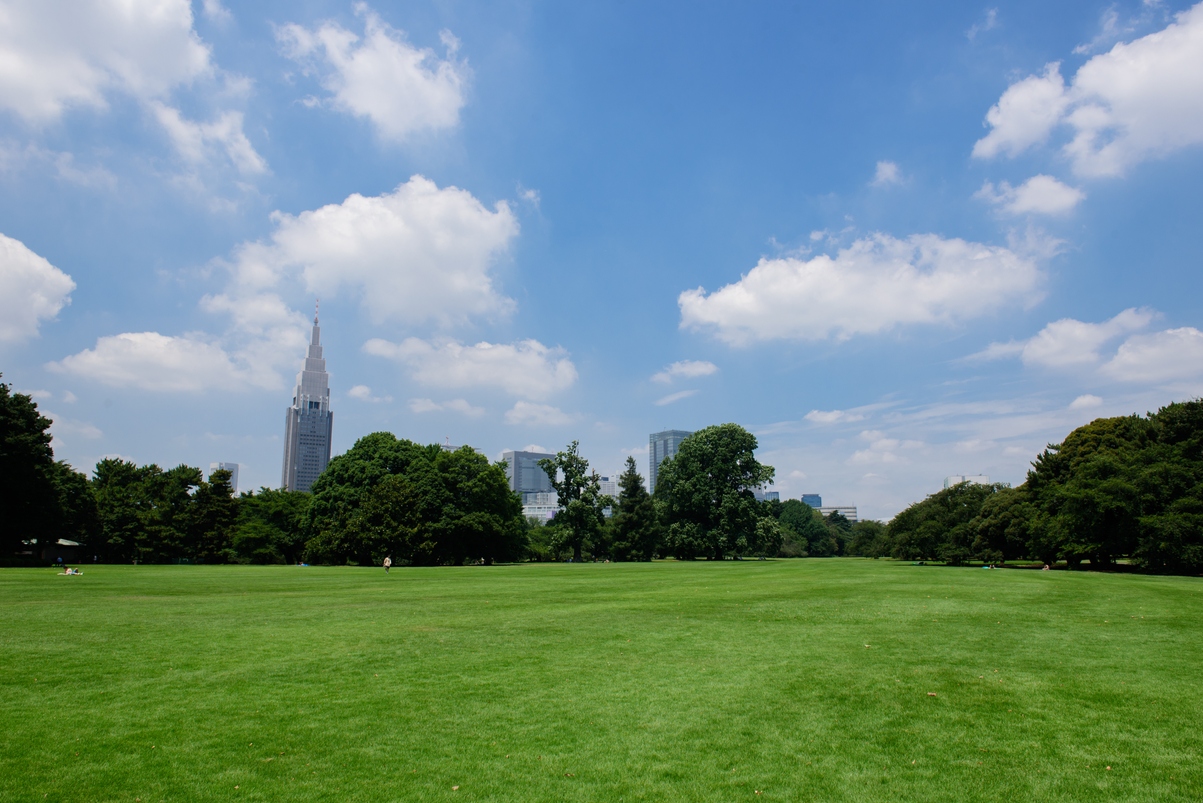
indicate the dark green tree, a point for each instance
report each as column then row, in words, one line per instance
column 941, row 527
column 212, row 519
column 812, row 535
column 30, row 508
column 634, row 526
column 269, row 526
column 580, row 519
column 707, row 494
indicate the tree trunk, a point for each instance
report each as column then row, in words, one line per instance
column 576, row 552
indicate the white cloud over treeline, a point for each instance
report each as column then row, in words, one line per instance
column 875, row 285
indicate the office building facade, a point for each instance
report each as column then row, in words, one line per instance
column 527, row 478
column 814, row 500
column 847, row 511
column 972, row 479
column 660, row 446
column 308, row 422
column 230, row 467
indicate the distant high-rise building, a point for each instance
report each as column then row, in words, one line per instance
column 974, row 479
column 526, row 476
column 230, row 467
column 308, row 423
column 767, row 496
column 814, row 500
column 661, row 445
column 847, row 511
column 608, row 485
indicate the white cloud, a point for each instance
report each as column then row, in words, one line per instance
column 1025, row 114
column 685, row 369
column 674, row 397
column 198, row 142
column 402, row 89
column 873, row 286
column 1087, row 401
column 1069, row 342
column 55, row 54
column 69, row 397
column 364, row 393
column 833, row 416
column 31, row 290
column 532, row 414
column 1175, row 354
column 887, row 173
column 989, row 23
column 215, row 12
column 460, row 406
column 66, row 426
column 526, row 368
column 150, row 361
column 1140, row 100
column 1040, row 194
column 414, row 255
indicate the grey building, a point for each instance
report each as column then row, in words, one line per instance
column 661, row 445
column 308, row 423
column 847, row 511
column 767, row 496
column 526, row 476
column 230, row 467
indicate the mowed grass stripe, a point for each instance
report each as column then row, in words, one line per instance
column 804, row 679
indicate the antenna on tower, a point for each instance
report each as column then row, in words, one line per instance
column 317, row 303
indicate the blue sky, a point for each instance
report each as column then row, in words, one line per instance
column 895, row 242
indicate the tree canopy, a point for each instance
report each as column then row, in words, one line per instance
column 707, row 494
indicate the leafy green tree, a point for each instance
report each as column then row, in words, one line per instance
column 1005, row 527
column 869, row 539
column 941, row 526
column 635, row 527
column 269, row 526
column 580, row 519
column 80, row 520
column 30, row 508
column 212, row 518
column 811, row 531
column 707, row 493
column 418, row 504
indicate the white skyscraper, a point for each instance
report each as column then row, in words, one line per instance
column 230, row 467
column 308, row 423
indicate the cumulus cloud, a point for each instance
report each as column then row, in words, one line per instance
column 150, row 361
column 526, row 368
column 833, row 416
column 532, row 414
column 1069, row 342
column 1040, row 194
column 685, row 369
column 460, row 406
column 199, row 142
column 380, row 76
column 31, row 290
column 1140, row 100
column 56, row 55
column 1172, row 355
column 675, row 397
column 1086, row 401
column 417, row 254
column 875, row 285
column 887, row 173
column 364, row 393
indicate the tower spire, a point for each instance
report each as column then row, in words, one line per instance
column 317, row 304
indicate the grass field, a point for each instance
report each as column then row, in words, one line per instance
column 757, row 680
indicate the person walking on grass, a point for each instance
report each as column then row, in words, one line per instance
column 388, row 562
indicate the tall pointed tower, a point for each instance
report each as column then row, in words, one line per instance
column 308, row 423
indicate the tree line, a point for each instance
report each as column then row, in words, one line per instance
column 1118, row 489
column 1128, row 488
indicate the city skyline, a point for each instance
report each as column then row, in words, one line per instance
column 896, row 243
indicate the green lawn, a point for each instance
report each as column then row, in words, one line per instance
column 803, row 680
